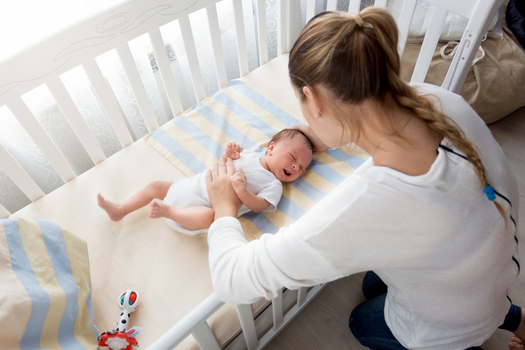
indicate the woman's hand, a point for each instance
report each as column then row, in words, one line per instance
column 223, row 198
column 317, row 144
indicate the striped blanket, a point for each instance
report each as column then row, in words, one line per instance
column 239, row 113
column 45, row 287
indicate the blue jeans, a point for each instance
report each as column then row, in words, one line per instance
column 367, row 321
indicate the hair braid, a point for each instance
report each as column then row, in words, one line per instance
column 423, row 109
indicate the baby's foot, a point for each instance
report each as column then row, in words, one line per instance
column 159, row 209
column 113, row 209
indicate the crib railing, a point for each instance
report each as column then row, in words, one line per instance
column 255, row 334
column 82, row 44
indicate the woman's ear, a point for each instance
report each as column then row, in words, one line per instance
column 314, row 100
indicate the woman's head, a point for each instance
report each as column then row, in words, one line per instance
column 348, row 61
column 352, row 60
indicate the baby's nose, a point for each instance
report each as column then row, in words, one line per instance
column 294, row 166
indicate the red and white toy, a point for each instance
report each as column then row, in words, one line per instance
column 122, row 339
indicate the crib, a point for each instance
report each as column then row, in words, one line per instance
column 170, row 270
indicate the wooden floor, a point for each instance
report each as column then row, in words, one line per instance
column 323, row 324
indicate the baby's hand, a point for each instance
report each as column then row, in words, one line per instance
column 233, row 151
column 238, row 181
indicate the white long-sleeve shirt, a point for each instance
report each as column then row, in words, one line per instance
column 436, row 240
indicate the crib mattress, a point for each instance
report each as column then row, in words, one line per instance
column 168, row 269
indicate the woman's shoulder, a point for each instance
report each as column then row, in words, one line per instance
column 452, row 105
column 424, row 88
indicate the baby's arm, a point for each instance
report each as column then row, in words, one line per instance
column 252, row 201
column 232, row 151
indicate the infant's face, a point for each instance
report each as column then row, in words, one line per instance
column 288, row 159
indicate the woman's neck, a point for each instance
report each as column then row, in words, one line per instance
column 407, row 145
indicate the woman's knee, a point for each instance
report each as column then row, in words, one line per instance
column 366, row 317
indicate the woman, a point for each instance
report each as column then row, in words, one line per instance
column 430, row 212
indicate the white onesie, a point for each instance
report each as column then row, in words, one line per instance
column 192, row 192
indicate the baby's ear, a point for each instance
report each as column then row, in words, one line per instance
column 270, row 147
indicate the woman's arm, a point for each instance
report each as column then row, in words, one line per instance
column 244, row 272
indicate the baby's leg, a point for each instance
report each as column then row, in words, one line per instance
column 116, row 211
column 192, row 218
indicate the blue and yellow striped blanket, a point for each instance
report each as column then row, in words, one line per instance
column 195, row 140
column 45, row 287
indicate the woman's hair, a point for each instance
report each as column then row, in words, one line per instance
column 355, row 59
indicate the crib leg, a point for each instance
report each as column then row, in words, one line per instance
column 204, row 337
column 248, row 326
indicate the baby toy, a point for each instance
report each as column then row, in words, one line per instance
column 122, row 339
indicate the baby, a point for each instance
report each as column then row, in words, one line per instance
column 257, row 182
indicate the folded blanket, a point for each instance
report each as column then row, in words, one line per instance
column 45, row 288
column 239, row 113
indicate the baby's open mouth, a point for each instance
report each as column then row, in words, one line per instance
column 286, row 172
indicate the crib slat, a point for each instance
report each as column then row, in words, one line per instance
column 261, row 30
column 248, row 326
column 4, row 213
column 310, row 9
column 128, row 62
column 70, row 110
column 354, row 6
column 277, row 309
column 241, row 38
column 204, row 337
column 295, row 22
column 403, row 23
column 301, row 296
column 220, row 66
column 19, row 176
column 109, row 105
column 282, row 35
column 331, row 5
column 381, row 3
column 165, row 71
column 42, row 139
column 429, row 44
column 193, row 60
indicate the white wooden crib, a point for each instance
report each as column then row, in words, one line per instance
column 119, row 256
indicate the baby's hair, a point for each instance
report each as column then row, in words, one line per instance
column 287, row 134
